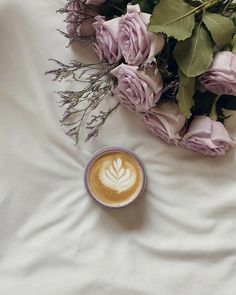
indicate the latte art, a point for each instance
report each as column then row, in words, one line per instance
column 114, row 177
column 117, row 177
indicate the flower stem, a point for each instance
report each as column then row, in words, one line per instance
column 230, row 7
column 198, row 9
column 211, row 3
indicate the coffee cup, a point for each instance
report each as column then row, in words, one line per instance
column 115, row 177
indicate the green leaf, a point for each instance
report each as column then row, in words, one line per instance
column 220, row 27
column 234, row 20
column 195, row 54
column 234, row 44
column 194, row 3
column 185, row 94
column 174, row 18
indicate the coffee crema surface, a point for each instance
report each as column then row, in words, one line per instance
column 115, row 178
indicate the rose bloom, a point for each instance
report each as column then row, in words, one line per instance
column 136, row 89
column 165, row 121
column 221, row 77
column 136, row 43
column 207, row 137
column 106, row 45
column 79, row 20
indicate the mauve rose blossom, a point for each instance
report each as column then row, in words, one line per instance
column 165, row 121
column 106, row 45
column 135, row 89
column 136, row 43
column 94, row 2
column 79, row 20
column 221, row 77
column 207, row 137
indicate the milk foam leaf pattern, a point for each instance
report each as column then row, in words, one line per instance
column 117, row 177
column 185, row 94
column 169, row 17
column 195, row 54
column 220, row 27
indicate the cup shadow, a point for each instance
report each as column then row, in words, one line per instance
column 130, row 218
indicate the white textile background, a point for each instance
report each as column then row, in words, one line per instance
column 54, row 240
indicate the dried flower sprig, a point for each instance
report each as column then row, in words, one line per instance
column 78, row 104
column 71, row 70
column 98, row 121
column 77, row 15
column 85, row 40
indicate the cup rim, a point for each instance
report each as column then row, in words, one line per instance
column 105, row 150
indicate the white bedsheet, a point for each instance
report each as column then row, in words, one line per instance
column 180, row 239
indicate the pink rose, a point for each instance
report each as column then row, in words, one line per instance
column 135, row 89
column 207, row 137
column 86, row 28
column 94, row 2
column 136, row 43
column 79, row 20
column 106, row 45
column 221, row 77
column 165, row 121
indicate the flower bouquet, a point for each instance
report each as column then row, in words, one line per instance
column 171, row 62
